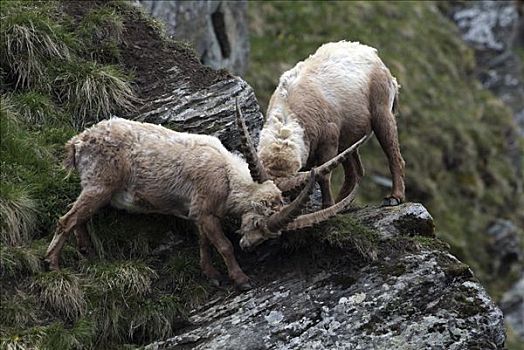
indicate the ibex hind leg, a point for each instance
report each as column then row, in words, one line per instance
column 206, row 265
column 87, row 203
column 83, row 242
column 385, row 128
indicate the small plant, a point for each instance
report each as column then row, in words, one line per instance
column 29, row 38
column 61, row 292
column 93, row 91
column 18, row 215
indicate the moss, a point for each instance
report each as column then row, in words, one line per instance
column 412, row 225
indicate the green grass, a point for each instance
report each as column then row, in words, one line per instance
column 452, row 131
column 93, row 91
column 34, row 108
column 29, row 38
column 101, row 31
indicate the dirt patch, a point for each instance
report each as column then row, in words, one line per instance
column 157, row 63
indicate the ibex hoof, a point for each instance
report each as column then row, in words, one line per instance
column 86, row 252
column 390, row 202
column 244, row 287
column 51, row 265
column 218, row 282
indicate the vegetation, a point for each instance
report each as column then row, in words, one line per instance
column 61, row 70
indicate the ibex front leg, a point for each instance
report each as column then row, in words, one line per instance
column 89, row 201
column 210, row 226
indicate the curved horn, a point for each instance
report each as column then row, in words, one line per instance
column 291, row 183
column 258, row 173
column 317, row 217
column 278, row 221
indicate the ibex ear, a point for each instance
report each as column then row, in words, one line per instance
column 258, row 224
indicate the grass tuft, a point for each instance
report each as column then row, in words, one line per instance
column 156, row 319
column 58, row 336
column 18, row 215
column 181, row 273
column 61, row 292
column 101, row 30
column 93, row 91
column 126, row 278
column 29, row 38
column 18, row 310
column 16, row 261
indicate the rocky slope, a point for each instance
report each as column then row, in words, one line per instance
column 419, row 297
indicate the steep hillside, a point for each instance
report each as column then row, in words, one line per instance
column 453, row 133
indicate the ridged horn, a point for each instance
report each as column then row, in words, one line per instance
column 258, row 173
column 308, row 220
column 287, row 184
column 278, row 221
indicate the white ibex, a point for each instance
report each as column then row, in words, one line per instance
column 147, row 168
column 323, row 105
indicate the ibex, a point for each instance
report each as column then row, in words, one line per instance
column 146, row 168
column 324, row 104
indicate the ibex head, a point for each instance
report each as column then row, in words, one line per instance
column 268, row 220
column 269, row 217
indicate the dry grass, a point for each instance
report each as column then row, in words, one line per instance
column 93, row 91
column 28, row 41
column 125, row 278
column 61, row 292
column 18, row 215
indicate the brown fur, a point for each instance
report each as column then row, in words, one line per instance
column 333, row 124
column 147, row 168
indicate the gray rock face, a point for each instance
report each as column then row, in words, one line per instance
column 492, row 28
column 216, row 29
column 208, row 111
column 424, row 299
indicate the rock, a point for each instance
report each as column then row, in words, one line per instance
column 504, row 245
column 492, row 28
column 405, row 219
column 414, row 300
column 208, row 111
column 512, row 304
column 177, row 91
column 216, row 29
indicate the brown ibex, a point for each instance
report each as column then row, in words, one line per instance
column 323, row 105
column 146, row 168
